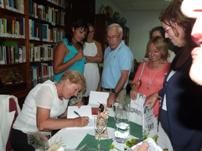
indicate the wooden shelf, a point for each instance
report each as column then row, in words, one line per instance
column 9, row 12
column 10, row 71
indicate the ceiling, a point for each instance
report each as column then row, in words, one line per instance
column 134, row 5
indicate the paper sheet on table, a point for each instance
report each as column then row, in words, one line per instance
column 84, row 110
column 96, row 98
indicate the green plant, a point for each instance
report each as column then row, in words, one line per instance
column 112, row 146
column 131, row 142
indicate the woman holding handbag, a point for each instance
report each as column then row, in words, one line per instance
column 150, row 75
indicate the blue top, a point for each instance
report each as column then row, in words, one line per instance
column 115, row 61
column 77, row 66
column 180, row 113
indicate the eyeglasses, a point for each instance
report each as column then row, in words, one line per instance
column 113, row 37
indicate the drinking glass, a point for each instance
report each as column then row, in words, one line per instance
column 100, row 127
column 122, row 128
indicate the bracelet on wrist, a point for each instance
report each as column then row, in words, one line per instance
column 114, row 92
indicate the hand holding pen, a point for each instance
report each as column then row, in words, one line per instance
column 83, row 121
column 75, row 112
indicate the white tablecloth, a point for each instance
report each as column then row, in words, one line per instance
column 71, row 137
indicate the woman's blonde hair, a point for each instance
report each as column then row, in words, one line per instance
column 74, row 77
column 160, row 45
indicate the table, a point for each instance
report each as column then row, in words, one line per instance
column 72, row 137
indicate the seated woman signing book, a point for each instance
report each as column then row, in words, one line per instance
column 150, row 75
column 42, row 107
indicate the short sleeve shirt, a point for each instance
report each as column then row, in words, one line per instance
column 42, row 95
column 115, row 61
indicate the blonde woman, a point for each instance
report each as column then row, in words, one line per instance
column 150, row 75
column 42, row 107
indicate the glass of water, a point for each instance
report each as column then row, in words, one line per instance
column 122, row 127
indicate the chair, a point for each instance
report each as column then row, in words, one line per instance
column 8, row 104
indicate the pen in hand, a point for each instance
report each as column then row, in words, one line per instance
column 75, row 112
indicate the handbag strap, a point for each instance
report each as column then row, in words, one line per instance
column 142, row 71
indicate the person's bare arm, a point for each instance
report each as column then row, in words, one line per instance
column 98, row 57
column 59, row 54
column 122, row 81
column 134, row 88
column 118, row 88
column 133, row 93
column 44, row 122
column 151, row 99
column 142, row 147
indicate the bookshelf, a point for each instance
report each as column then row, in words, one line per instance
column 29, row 31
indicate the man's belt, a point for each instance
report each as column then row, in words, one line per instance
column 108, row 89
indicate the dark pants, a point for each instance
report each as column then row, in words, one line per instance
column 181, row 137
column 19, row 141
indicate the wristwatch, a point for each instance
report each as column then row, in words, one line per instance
column 114, row 92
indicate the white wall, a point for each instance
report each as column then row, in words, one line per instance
column 140, row 23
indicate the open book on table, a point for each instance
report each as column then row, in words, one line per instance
column 96, row 98
column 85, row 110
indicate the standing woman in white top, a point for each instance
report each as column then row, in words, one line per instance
column 93, row 53
column 43, row 106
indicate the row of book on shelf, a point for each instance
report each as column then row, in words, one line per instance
column 11, row 53
column 12, row 27
column 41, row 52
column 46, row 13
column 13, row 5
column 44, row 32
column 15, row 28
column 42, row 72
column 18, row 5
